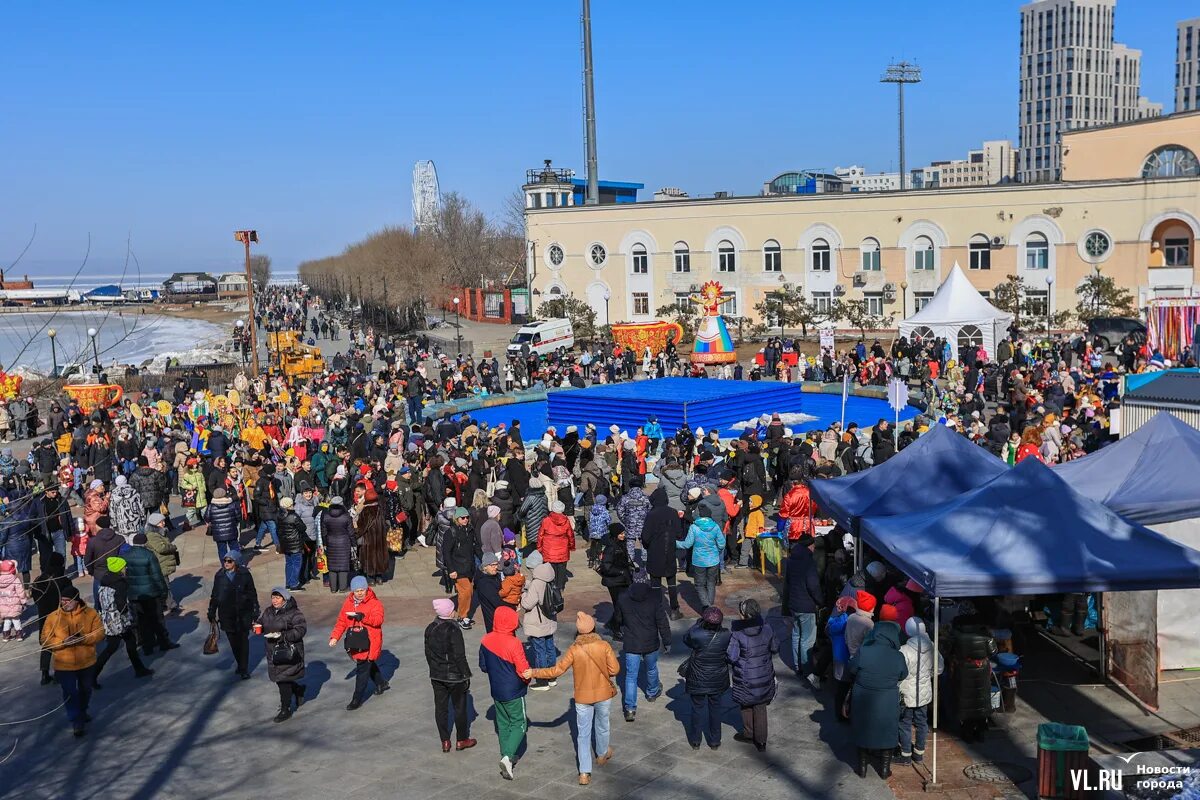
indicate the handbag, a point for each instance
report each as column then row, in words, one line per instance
column 686, row 664
column 285, row 654
column 322, row 561
column 395, row 540
column 357, row 640
column 210, row 641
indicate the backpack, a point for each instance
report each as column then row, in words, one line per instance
column 552, row 601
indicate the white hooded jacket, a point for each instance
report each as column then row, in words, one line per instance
column 916, row 690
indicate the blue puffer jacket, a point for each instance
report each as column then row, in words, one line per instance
column 706, row 541
column 836, row 628
column 224, row 519
column 751, row 650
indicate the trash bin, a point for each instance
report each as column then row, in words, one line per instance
column 1062, row 749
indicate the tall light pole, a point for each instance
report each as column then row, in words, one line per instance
column 95, row 351
column 903, row 300
column 53, row 352
column 589, row 109
column 607, row 320
column 241, row 341
column 900, row 73
column 458, row 325
column 1049, row 285
column 246, row 237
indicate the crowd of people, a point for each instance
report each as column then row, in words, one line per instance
column 347, row 471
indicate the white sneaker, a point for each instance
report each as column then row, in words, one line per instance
column 421, row 540
column 506, row 770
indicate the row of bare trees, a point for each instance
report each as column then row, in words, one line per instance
column 397, row 273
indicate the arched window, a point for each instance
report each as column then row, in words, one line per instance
column 641, row 261
column 980, row 252
column 923, row 333
column 1171, row 161
column 726, row 257
column 555, row 291
column 870, row 254
column 683, row 257
column 820, row 255
column 969, row 336
column 772, row 256
column 1037, row 252
column 923, row 254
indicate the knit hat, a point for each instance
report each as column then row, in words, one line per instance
column 219, row 493
column 286, row 502
column 535, row 483
column 488, row 559
column 877, row 570
column 122, row 480
column 156, row 519
column 558, row 507
column 461, row 513
column 712, row 616
column 888, row 613
column 115, row 563
column 140, row 538
column 358, row 582
column 69, row 592
column 444, row 608
column 534, row 560
column 449, row 502
column 584, row 623
column 96, row 484
column 493, row 511
column 509, row 536
column 282, row 592
column 865, row 601
column 337, row 500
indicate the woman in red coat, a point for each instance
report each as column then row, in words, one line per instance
column 362, row 613
column 796, row 507
column 556, row 540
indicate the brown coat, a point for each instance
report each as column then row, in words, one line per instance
column 595, row 665
column 61, row 625
column 510, row 589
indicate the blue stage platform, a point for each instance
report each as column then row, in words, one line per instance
column 674, row 401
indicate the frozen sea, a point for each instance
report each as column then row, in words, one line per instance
column 125, row 336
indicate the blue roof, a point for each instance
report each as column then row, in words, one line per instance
column 1028, row 532
column 609, row 184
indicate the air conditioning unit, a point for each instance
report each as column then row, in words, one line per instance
column 889, row 287
column 839, row 290
column 860, row 279
column 997, row 241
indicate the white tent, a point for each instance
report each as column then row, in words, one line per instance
column 959, row 314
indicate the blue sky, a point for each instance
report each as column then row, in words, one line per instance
column 175, row 124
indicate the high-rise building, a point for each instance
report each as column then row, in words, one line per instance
column 1127, row 82
column 1147, row 110
column 1066, row 81
column 1187, row 66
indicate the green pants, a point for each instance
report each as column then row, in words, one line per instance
column 510, row 725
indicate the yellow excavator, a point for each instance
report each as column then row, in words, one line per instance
column 292, row 356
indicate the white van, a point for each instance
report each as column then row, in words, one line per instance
column 542, row 337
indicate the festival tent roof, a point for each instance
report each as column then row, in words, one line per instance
column 938, row 466
column 1028, row 532
column 1148, row 477
column 956, row 304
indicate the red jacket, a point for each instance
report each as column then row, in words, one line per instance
column 797, row 509
column 372, row 611
column 556, row 540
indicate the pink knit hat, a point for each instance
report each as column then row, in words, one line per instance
column 444, row 608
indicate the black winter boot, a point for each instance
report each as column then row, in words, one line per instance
column 864, row 760
column 283, row 715
column 885, row 764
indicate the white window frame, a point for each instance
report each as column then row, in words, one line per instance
column 870, row 255
column 874, row 302
column 685, row 303
column 1037, row 243
column 924, row 259
column 822, row 301
column 641, row 260
column 920, row 300
column 726, row 256
column 819, row 256
column 683, row 257
column 979, row 253
column 642, row 297
column 772, row 256
column 1041, row 297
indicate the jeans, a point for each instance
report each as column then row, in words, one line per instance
column 269, row 526
column 588, row 715
column 229, row 547
column 544, row 652
column 445, row 695
column 804, row 636
column 414, row 409
column 696, row 722
column 291, row 569
column 77, row 692
column 913, row 718
column 633, row 667
column 706, row 584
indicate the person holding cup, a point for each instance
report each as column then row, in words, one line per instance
column 283, row 626
column 361, row 620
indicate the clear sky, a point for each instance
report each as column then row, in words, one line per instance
column 176, row 123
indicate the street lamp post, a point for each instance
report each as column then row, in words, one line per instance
column 607, row 320
column 53, row 352
column 246, row 237
column 241, row 340
column 903, row 300
column 95, row 351
column 458, row 325
column 1049, row 285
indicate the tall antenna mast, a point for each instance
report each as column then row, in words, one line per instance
column 589, row 109
column 900, row 73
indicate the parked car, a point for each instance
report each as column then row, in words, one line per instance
column 1106, row 332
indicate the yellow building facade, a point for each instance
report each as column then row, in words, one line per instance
column 1129, row 207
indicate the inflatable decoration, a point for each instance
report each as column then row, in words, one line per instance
column 713, row 345
column 637, row 336
column 10, row 385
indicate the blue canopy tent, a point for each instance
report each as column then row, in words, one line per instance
column 938, row 466
column 1148, row 477
column 1026, row 532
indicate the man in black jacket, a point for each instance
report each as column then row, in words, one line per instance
column 459, row 551
column 645, row 626
column 234, row 606
column 449, row 674
column 292, row 532
column 663, row 528
column 266, row 506
column 487, row 589
column 802, row 598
